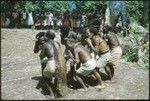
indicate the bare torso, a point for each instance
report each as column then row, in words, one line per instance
column 112, row 40
column 81, row 53
column 100, row 44
column 48, row 51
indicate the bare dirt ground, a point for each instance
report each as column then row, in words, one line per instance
column 19, row 67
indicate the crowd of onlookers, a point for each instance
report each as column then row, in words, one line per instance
column 47, row 19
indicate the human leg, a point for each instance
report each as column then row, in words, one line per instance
column 99, row 79
column 108, row 72
column 79, row 79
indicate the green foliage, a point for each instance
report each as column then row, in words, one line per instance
column 57, row 6
column 144, row 62
column 90, row 5
column 137, row 52
column 136, row 9
column 131, row 55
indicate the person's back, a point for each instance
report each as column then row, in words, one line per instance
column 112, row 40
column 48, row 50
column 82, row 53
column 87, row 64
column 103, row 53
column 114, row 45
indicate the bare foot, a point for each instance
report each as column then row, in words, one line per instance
column 100, row 86
column 82, row 90
column 110, row 81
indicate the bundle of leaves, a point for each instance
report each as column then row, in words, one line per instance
column 136, row 51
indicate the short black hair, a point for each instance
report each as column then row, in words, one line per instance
column 72, row 35
column 83, row 31
column 107, row 28
column 65, row 30
column 93, row 30
column 40, row 34
column 50, row 35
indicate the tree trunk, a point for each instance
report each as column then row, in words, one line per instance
column 145, row 12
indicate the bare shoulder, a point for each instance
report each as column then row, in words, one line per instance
column 78, row 48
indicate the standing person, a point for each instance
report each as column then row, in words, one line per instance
column 14, row 18
column 113, row 43
column 59, row 23
column 30, row 19
column 50, row 20
column 24, row 16
column 48, row 56
column 64, row 33
column 83, row 23
column 66, row 19
column 76, row 16
column 8, row 20
column 84, row 60
column 2, row 19
column 47, row 50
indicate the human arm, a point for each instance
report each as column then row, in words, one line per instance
column 89, row 43
column 76, row 55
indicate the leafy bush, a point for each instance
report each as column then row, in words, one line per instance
column 137, row 52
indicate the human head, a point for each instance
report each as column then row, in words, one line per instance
column 65, row 30
column 93, row 31
column 50, row 35
column 40, row 34
column 71, row 42
column 72, row 35
column 106, row 29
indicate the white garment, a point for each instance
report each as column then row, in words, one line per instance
column 7, row 22
column 102, row 60
column 87, row 67
column 30, row 19
column 50, row 68
column 24, row 16
column 50, row 19
column 59, row 23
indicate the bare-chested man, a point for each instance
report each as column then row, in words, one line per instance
column 87, row 63
column 113, row 43
column 41, row 39
column 102, row 52
column 48, row 57
column 86, row 41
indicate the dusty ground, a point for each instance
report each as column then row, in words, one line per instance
column 20, row 66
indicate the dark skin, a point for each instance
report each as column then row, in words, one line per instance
column 112, row 40
column 82, row 55
column 38, row 44
column 48, row 51
column 100, row 46
column 41, row 39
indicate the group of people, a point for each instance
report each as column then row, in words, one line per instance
column 43, row 19
column 26, row 19
column 87, row 53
